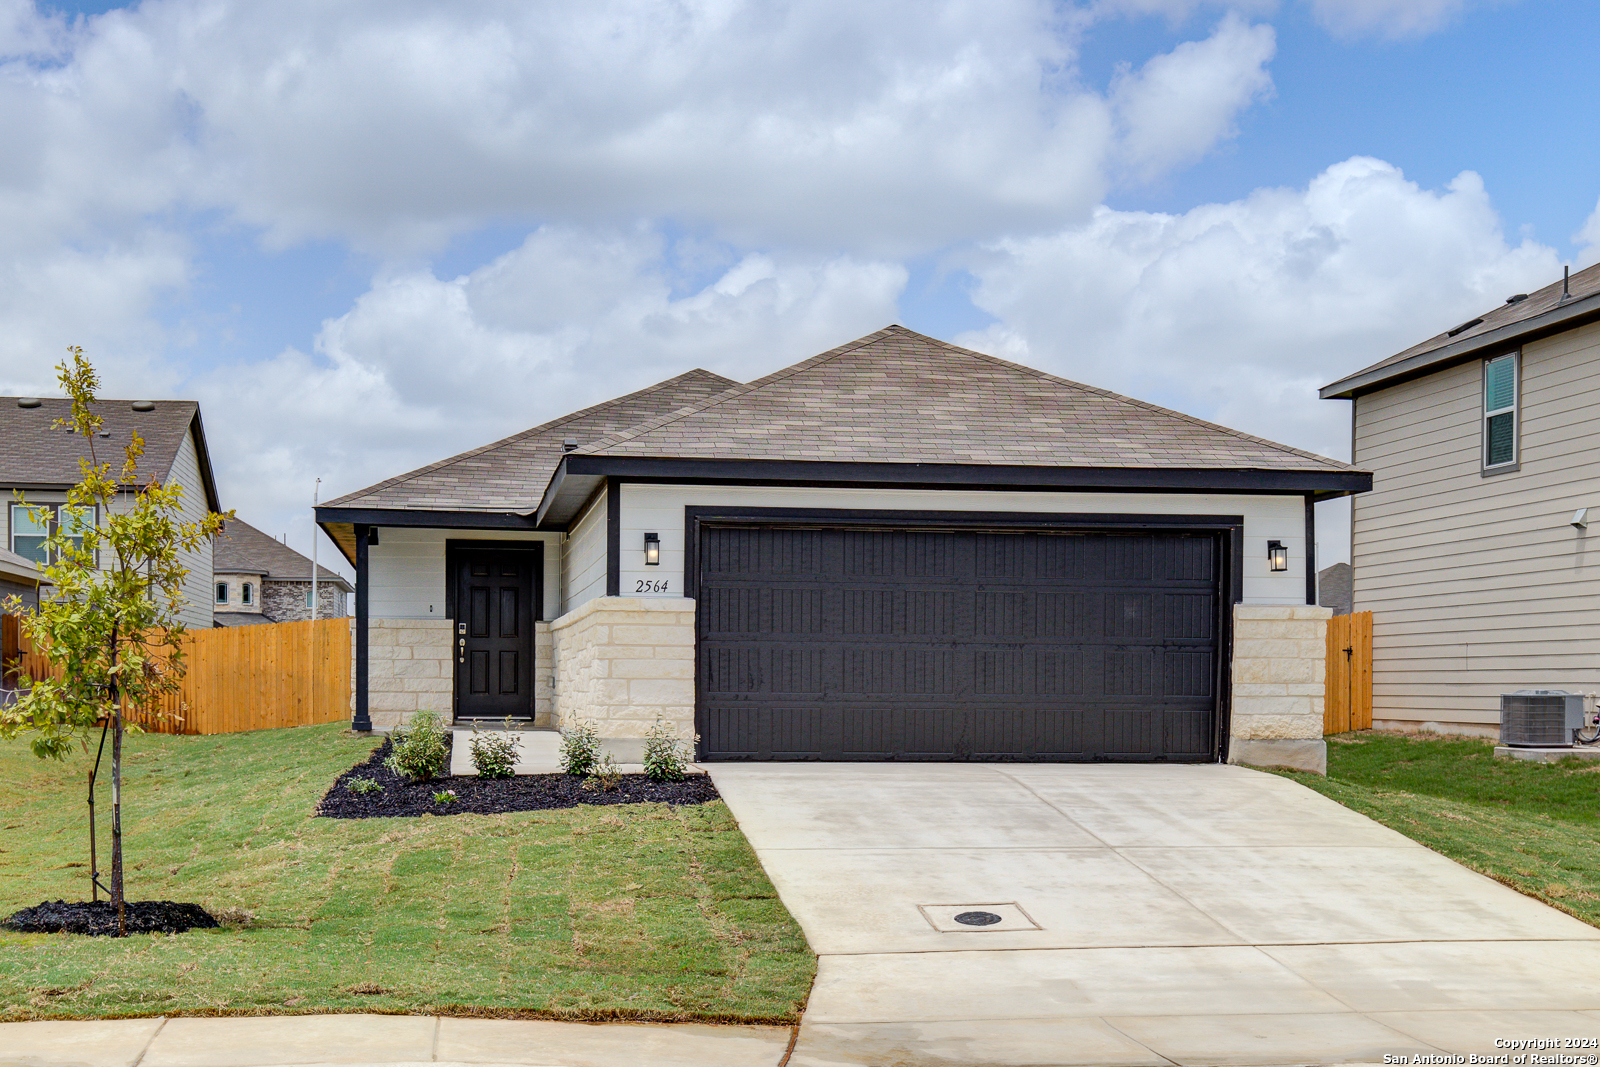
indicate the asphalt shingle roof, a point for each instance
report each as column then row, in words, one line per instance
column 243, row 548
column 896, row 396
column 511, row 474
column 35, row 452
column 1585, row 283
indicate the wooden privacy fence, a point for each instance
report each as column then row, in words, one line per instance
column 238, row 677
column 1347, row 701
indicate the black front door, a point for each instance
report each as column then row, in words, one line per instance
column 494, row 613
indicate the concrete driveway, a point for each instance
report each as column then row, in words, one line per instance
column 1148, row 915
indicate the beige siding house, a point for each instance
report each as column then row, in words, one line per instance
column 897, row 549
column 40, row 461
column 1471, row 550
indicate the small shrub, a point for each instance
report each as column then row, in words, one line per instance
column 422, row 750
column 665, row 757
column 494, row 755
column 446, row 797
column 580, row 747
column 605, row 776
column 363, row 785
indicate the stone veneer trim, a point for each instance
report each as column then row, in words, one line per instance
column 1278, row 670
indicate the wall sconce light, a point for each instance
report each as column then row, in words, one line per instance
column 1277, row 556
column 652, row 550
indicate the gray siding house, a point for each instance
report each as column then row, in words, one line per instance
column 1474, row 550
column 40, row 460
column 258, row 579
column 897, row 549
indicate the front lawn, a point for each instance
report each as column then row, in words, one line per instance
column 1529, row 825
column 639, row 911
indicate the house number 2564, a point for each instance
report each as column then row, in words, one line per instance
column 645, row 585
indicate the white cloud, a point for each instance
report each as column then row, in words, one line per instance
column 423, row 367
column 1589, row 239
column 1386, row 18
column 1179, row 105
column 1238, row 312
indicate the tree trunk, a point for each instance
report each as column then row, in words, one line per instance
column 116, row 812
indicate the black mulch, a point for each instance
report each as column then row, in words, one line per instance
column 99, row 918
column 491, row 796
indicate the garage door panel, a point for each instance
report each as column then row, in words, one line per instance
column 913, row 644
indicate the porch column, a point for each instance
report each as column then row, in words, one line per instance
column 361, row 722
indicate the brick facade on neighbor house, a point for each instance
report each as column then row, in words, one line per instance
column 279, row 580
column 283, row 601
column 1279, row 663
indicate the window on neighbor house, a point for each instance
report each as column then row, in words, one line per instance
column 1500, row 412
column 247, row 593
column 28, row 533
column 308, row 598
column 222, row 592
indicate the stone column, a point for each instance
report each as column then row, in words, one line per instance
column 1279, row 662
column 622, row 663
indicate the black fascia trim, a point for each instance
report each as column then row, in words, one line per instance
column 613, row 537
column 453, row 546
column 1228, row 528
column 945, row 475
column 460, row 520
column 208, row 480
column 1512, row 335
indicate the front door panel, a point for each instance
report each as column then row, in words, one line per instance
column 494, row 633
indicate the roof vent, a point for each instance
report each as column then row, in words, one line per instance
column 1464, row 327
column 143, row 405
column 569, row 444
column 1517, row 298
column 28, row 402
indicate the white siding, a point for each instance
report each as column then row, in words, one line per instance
column 584, row 562
column 1478, row 585
column 406, row 569
column 659, row 509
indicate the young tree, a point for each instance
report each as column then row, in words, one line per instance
column 111, row 622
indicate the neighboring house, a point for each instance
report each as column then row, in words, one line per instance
column 898, row 549
column 258, row 579
column 40, row 459
column 1472, row 551
column 1334, row 589
column 19, row 577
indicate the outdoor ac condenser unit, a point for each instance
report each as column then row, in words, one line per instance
column 1542, row 718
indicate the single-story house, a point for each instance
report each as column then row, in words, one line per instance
column 898, row 549
column 1472, row 550
column 40, row 460
column 20, row 577
column 259, row 579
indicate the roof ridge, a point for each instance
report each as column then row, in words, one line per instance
column 522, row 435
column 737, row 391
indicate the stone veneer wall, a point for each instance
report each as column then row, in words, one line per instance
column 284, row 600
column 1279, row 662
column 623, row 662
column 410, row 670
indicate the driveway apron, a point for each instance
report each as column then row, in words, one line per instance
column 1142, row 914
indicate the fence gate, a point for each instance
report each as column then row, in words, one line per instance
column 1347, row 703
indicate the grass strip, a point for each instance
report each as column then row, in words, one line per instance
column 594, row 913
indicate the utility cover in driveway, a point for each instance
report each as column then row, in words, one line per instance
column 930, row 644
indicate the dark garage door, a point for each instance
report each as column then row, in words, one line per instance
column 922, row 644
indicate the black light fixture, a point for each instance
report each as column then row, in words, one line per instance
column 372, row 535
column 652, row 550
column 1277, row 556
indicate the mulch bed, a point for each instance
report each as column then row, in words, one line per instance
column 492, row 796
column 98, row 918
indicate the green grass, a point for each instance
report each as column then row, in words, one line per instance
column 1531, row 826
column 637, row 911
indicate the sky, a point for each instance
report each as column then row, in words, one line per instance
column 369, row 235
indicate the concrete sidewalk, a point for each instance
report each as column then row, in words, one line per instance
column 1148, row 915
column 388, row 1040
